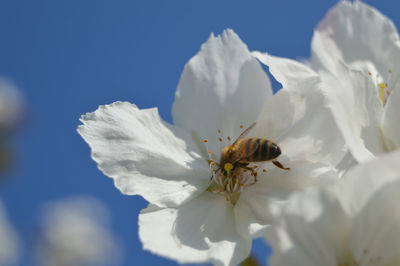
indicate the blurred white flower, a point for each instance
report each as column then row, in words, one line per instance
column 356, row 53
column 11, row 106
column 355, row 222
column 11, row 115
column 76, row 231
column 9, row 240
column 223, row 88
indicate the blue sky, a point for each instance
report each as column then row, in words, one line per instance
column 69, row 57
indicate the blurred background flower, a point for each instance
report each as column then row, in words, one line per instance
column 75, row 231
column 11, row 116
column 9, row 240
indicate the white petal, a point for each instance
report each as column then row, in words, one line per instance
column 286, row 71
column 201, row 230
column 222, row 87
column 260, row 203
column 9, row 240
column 143, row 154
column 365, row 179
column 391, row 121
column 297, row 119
column 314, row 231
column 355, row 104
column 356, row 33
column 377, row 227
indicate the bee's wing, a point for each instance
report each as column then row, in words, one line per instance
column 244, row 133
column 245, row 149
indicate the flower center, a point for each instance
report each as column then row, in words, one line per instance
column 230, row 179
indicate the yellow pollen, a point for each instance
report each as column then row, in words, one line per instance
column 228, row 167
column 210, row 152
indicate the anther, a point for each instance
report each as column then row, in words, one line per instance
column 219, row 139
column 210, row 151
column 229, row 138
column 264, row 170
column 241, row 126
column 219, row 131
column 205, row 141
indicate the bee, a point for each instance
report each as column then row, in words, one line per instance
column 247, row 150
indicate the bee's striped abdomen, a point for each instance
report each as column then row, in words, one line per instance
column 258, row 150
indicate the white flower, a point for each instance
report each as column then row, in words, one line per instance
column 190, row 217
column 356, row 53
column 9, row 240
column 354, row 223
column 11, row 106
column 75, row 231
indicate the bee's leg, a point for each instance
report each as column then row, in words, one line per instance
column 278, row 164
column 253, row 171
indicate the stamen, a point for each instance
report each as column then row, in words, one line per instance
column 220, row 138
column 382, row 87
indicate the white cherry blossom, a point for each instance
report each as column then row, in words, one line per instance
column 355, row 52
column 9, row 240
column 353, row 223
column 223, row 90
column 75, row 231
column 11, row 106
column 11, row 116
